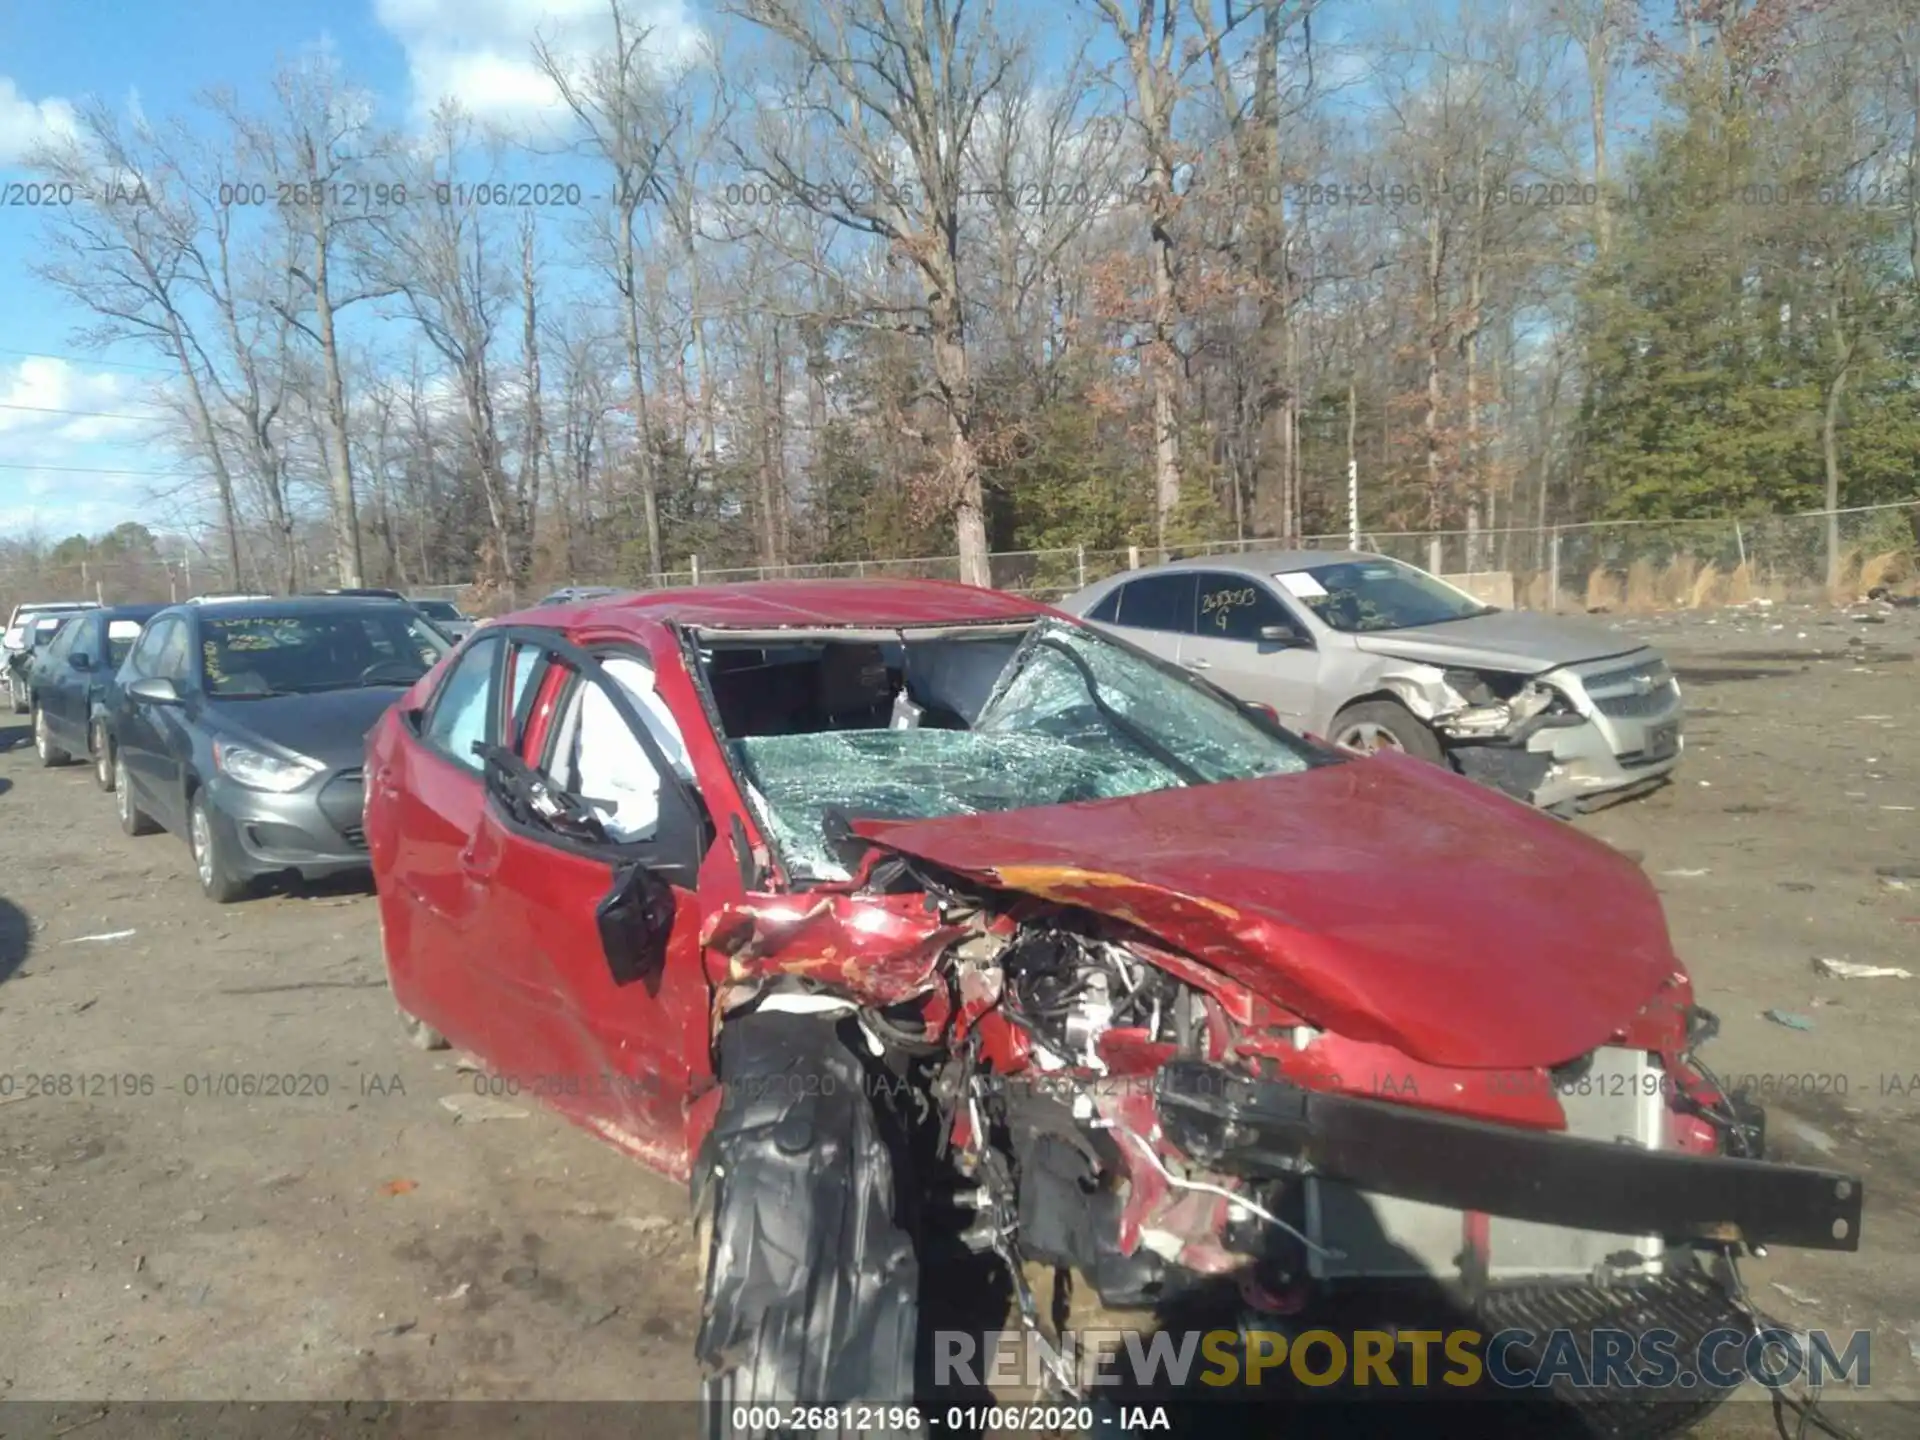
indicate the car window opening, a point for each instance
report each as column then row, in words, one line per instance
column 822, row 730
column 598, row 760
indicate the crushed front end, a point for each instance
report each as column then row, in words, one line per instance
column 1113, row 1108
column 1280, row 1040
column 1576, row 736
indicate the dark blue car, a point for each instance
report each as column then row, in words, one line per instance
column 71, row 688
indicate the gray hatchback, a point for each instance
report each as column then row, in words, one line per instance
column 1371, row 653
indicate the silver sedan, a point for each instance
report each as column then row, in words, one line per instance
column 1370, row 653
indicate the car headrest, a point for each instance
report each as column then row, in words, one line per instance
column 852, row 681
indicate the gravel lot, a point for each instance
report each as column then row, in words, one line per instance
column 162, row 1238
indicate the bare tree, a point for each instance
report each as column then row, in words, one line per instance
column 1157, row 64
column 323, row 159
column 629, row 124
column 439, row 259
column 119, row 252
column 875, row 119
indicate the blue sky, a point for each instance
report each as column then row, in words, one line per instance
column 156, row 55
column 80, row 447
column 62, row 471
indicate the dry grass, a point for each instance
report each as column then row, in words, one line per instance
column 1848, row 584
column 1740, row 584
column 1887, row 568
column 1603, row 590
column 1708, row 589
column 1643, row 586
column 1676, row 581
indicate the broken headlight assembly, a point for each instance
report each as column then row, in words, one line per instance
column 1501, row 707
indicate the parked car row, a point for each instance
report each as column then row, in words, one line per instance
column 29, row 628
column 907, row 920
column 234, row 722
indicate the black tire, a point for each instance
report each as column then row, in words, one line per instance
column 50, row 754
column 101, row 744
column 212, row 862
column 1392, row 726
column 811, row 1282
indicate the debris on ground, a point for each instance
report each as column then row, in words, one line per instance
column 1788, row 1019
column 399, row 1187
column 1818, row 1139
column 1793, row 1295
column 104, row 938
column 644, row 1224
column 459, row 1292
column 476, row 1108
column 1686, row 874
column 402, row 1328
column 1848, row 970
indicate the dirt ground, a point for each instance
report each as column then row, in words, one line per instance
column 161, row 1239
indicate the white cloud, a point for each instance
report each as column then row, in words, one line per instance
column 24, row 121
column 109, row 406
column 480, row 52
column 62, row 464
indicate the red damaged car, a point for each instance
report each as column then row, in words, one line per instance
column 858, row 904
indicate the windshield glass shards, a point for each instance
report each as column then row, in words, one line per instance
column 1064, row 716
column 251, row 656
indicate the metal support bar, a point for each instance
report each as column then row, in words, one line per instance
column 1263, row 1128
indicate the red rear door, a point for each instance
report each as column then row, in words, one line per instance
column 428, row 800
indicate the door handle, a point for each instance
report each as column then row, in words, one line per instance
column 1197, row 664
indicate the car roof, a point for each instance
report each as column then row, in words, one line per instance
column 1265, row 562
column 796, row 604
column 243, row 608
column 132, row 612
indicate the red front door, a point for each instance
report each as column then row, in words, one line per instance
column 621, row 1056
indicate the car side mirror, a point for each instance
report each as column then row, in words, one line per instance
column 80, row 660
column 1283, row 635
column 636, row 920
column 155, row 690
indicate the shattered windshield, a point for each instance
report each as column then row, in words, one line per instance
column 1073, row 717
column 1378, row 594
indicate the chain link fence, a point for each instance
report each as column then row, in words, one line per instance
column 1605, row 565
column 1639, row 565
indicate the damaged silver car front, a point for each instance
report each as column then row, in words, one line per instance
column 1557, row 740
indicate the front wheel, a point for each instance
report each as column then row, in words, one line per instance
column 1376, row 725
column 212, row 860
column 50, row 754
column 811, row 1283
